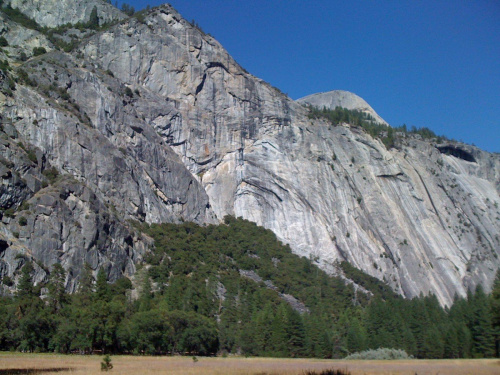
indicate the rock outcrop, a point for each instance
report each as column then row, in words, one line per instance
column 152, row 120
column 52, row 13
column 341, row 98
column 21, row 39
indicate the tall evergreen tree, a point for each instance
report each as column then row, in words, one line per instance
column 481, row 325
column 464, row 339
column 57, row 290
column 432, row 344
column 102, row 286
column 356, row 337
column 419, row 322
column 146, row 297
column 409, row 344
column 263, row 331
column 295, row 333
column 451, row 346
column 495, row 312
column 25, row 289
column 33, row 330
column 278, row 339
column 94, row 19
column 86, row 283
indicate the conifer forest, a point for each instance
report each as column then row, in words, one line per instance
column 235, row 289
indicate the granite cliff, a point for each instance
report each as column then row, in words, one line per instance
column 152, row 120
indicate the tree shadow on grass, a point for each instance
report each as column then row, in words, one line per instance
column 32, row 371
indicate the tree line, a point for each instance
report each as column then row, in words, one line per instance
column 194, row 298
column 364, row 120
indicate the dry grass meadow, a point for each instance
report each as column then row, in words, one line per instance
column 132, row 365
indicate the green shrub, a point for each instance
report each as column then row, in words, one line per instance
column 11, row 83
column 23, row 221
column 37, row 51
column 3, row 42
column 24, row 77
column 24, row 206
column 64, row 94
column 4, row 65
column 381, row 353
column 51, row 174
column 141, row 16
column 106, row 364
column 32, row 156
column 7, row 281
column 10, row 212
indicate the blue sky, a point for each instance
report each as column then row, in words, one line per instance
column 423, row 63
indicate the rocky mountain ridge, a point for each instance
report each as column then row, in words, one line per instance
column 152, row 120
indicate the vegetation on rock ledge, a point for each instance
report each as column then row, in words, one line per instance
column 386, row 133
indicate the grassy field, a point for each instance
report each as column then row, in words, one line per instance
column 129, row 365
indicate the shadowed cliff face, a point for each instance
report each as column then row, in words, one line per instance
column 169, row 126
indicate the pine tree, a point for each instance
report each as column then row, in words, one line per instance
column 495, row 311
column 102, row 287
column 86, row 283
column 356, row 337
column 481, row 325
column 317, row 342
column 146, row 297
column 464, row 339
column 263, row 322
column 419, row 322
column 25, row 287
column 56, row 286
column 94, row 19
column 228, row 324
column 451, row 348
column 33, row 328
column 433, row 344
column 295, row 333
column 409, row 344
column 128, row 9
column 278, row 339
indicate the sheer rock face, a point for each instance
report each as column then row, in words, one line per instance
column 21, row 39
column 112, row 166
column 340, row 98
column 161, row 124
column 421, row 220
